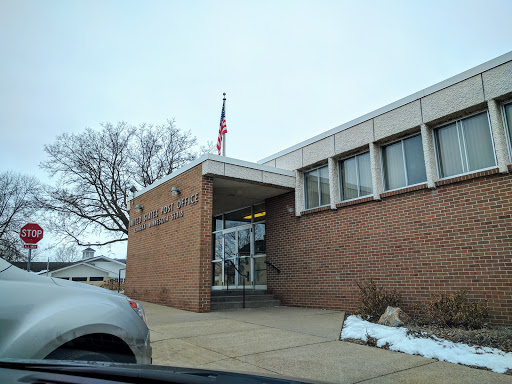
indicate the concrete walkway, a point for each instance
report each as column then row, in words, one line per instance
column 293, row 342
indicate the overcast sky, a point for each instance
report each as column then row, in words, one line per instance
column 291, row 69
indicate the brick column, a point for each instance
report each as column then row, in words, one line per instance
column 427, row 139
column 498, row 133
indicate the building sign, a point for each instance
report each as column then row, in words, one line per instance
column 163, row 214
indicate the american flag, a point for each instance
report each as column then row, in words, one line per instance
column 222, row 129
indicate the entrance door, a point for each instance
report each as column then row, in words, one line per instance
column 244, row 257
column 235, row 247
column 237, row 253
column 230, row 258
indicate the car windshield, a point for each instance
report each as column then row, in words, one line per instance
column 157, row 222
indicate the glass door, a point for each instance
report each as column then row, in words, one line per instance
column 239, row 249
column 259, row 256
column 218, row 260
column 244, row 257
column 230, row 258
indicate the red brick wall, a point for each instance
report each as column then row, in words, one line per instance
column 170, row 263
column 458, row 235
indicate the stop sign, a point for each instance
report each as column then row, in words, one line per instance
column 31, row 233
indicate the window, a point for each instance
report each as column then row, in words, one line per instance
column 95, row 278
column 507, row 117
column 237, row 218
column 464, row 146
column 356, row 177
column 79, row 278
column 316, row 187
column 403, row 163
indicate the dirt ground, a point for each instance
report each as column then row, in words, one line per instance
column 493, row 336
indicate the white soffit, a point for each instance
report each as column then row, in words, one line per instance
column 217, row 158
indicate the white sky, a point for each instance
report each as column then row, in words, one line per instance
column 291, row 69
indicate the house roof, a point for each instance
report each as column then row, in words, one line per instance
column 55, row 266
column 81, row 263
column 84, row 262
column 38, row 266
column 97, row 258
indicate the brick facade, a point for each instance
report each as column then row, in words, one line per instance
column 170, row 263
column 458, row 235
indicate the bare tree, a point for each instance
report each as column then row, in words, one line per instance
column 157, row 151
column 66, row 252
column 210, row 147
column 17, row 208
column 95, row 170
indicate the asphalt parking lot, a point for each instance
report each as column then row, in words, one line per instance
column 293, row 342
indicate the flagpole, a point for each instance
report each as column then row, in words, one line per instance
column 224, row 135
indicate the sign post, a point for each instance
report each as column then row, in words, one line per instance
column 31, row 234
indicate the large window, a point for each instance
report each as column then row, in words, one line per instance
column 403, row 163
column 464, row 146
column 316, row 187
column 507, row 117
column 356, row 177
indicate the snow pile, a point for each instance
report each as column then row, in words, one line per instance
column 443, row 350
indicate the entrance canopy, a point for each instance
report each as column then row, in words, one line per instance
column 238, row 184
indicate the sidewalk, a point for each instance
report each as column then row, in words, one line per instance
column 293, row 342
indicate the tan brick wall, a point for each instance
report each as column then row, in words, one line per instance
column 458, row 235
column 170, row 263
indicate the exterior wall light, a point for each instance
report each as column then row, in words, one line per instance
column 175, row 191
column 139, row 207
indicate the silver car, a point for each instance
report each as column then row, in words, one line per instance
column 50, row 318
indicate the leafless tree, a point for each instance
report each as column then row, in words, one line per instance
column 95, row 170
column 66, row 252
column 17, row 208
column 159, row 150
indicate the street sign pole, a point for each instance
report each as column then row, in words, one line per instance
column 31, row 234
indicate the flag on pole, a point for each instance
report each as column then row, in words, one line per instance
column 222, row 128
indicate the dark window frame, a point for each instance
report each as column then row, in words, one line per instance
column 404, row 162
column 317, row 169
column 462, row 145
column 340, row 178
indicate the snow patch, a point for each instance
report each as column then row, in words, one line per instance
column 443, row 350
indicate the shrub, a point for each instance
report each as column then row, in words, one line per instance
column 455, row 310
column 112, row 285
column 373, row 300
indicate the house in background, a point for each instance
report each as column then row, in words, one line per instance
column 91, row 269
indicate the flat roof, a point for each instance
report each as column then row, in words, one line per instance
column 406, row 100
column 220, row 159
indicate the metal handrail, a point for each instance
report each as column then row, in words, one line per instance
column 119, row 279
column 273, row 266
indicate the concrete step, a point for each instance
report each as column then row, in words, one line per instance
column 218, row 306
column 232, row 298
column 235, row 292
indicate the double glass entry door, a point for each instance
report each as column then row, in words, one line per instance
column 239, row 259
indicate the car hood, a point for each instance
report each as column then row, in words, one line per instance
column 10, row 272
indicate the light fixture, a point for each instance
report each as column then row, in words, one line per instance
column 139, row 207
column 133, row 189
column 175, row 191
column 256, row 215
